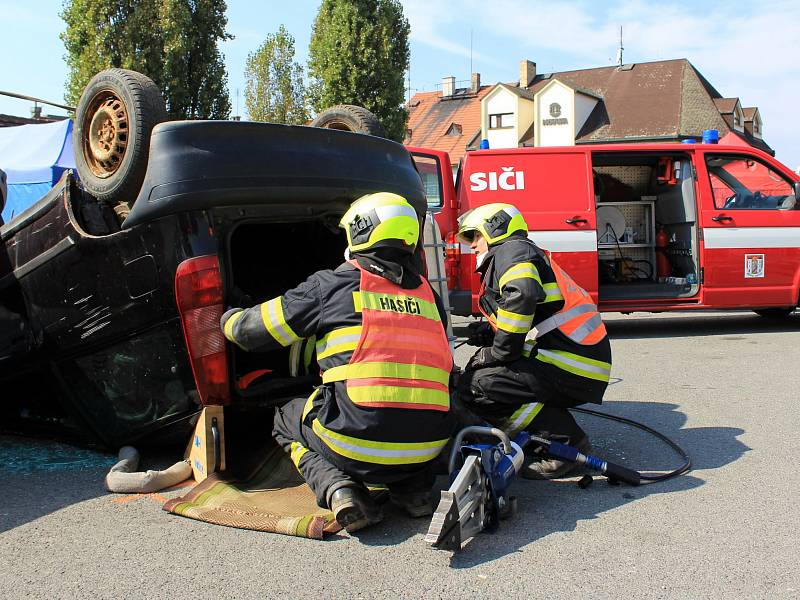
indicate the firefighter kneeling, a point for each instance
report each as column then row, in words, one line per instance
column 382, row 414
column 545, row 346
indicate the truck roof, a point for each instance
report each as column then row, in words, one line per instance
column 634, row 148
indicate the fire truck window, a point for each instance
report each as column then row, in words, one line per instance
column 742, row 183
column 428, row 167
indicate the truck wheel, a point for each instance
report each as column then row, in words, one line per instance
column 774, row 313
column 347, row 117
column 111, row 136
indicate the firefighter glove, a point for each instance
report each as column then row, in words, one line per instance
column 481, row 359
column 481, row 334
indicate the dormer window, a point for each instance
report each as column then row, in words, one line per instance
column 454, row 130
column 738, row 118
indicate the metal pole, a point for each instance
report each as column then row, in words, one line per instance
column 39, row 100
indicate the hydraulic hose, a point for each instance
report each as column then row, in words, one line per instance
column 630, row 475
column 687, row 462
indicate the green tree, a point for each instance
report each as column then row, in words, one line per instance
column 274, row 89
column 358, row 55
column 174, row 42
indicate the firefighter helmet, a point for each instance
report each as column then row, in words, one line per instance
column 381, row 220
column 495, row 222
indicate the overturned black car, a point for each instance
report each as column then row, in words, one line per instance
column 112, row 285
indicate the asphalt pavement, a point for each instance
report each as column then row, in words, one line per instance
column 722, row 385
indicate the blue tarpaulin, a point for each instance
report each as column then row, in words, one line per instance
column 34, row 157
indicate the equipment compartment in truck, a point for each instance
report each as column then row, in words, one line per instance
column 646, row 226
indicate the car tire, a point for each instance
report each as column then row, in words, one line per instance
column 347, row 117
column 774, row 313
column 111, row 135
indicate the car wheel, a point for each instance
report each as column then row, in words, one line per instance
column 774, row 313
column 347, row 117
column 111, row 136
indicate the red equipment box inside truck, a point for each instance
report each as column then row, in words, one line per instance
column 646, row 227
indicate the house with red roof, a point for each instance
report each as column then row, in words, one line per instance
column 661, row 101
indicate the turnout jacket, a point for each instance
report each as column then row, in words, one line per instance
column 520, row 291
column 385, row 395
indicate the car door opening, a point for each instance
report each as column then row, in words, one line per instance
column 265, row 260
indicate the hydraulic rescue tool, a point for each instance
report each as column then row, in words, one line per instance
column 478, row 494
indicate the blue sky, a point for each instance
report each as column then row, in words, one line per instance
column 745, row 49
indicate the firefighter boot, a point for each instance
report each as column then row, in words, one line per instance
column 353, row 508
column 552, row 468
column 416, row 504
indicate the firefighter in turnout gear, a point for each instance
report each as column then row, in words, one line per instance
column 545, row 347
column 382, row 414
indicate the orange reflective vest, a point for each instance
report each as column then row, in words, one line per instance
column 402, row 359
column 579, row 318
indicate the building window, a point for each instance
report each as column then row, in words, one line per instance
column 501, row 121
column 454, row 130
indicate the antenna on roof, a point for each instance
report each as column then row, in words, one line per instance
column 621, row 48
column 470, row 51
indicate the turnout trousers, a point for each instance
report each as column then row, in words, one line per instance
column 326, row 471
column 517, row 396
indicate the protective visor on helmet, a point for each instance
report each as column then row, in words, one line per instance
column 381, row 220
column 466, row 229
column 495, row 222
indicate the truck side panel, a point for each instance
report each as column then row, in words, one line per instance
column 555, row 194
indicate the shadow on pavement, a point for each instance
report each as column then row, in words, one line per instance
column 545, row 508
column 41, row 475
column 631, row 327
column 698, row 325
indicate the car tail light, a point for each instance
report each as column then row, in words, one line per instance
column 452, row 260
column 198, row 292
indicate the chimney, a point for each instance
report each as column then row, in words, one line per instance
column 527, row 73
column 448, row 86
column 476, row 83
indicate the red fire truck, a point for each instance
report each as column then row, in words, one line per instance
column 646, row 227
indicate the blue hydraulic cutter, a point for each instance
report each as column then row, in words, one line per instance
column 478, row 499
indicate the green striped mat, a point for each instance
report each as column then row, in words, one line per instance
column 274, row 498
